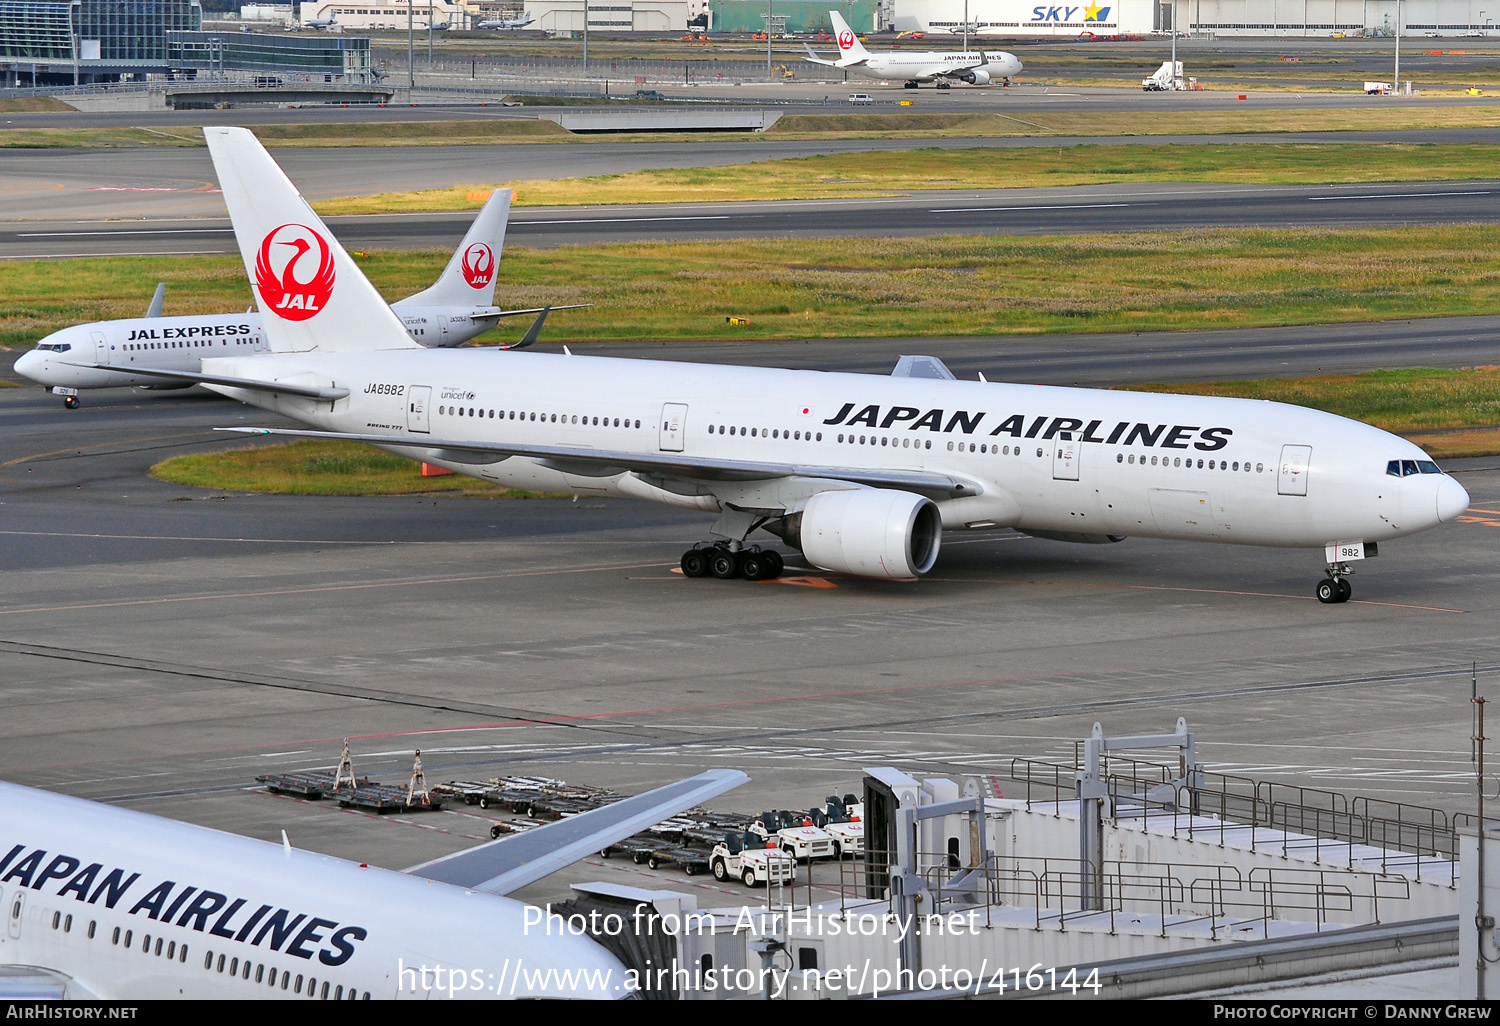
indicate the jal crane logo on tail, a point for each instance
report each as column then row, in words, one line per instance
column 478, row 265
column 289, row 254
column 846, row 40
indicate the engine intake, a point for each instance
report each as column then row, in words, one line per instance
column 871, row 532
column 976, row 76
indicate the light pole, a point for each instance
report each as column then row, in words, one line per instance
column 585, row 36
column 769, row 10
column 411, row 75
column 1396, row 76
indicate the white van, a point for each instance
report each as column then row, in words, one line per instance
column 860, row 98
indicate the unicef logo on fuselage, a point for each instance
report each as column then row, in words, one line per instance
column 294, row 272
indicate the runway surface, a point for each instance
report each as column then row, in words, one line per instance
column 1085, row 209
column 162, row 645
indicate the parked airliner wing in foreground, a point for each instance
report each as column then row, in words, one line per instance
column 862, row 473
column 101, row 902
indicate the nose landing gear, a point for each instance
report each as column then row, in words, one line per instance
column 70, row 401
column 1335, row 587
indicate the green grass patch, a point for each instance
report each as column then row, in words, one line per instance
column 319, row 468
column 1450, row 413
column 847, row 288
column 852, row 175
column 33, row 105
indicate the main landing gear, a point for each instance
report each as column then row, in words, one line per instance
column 1335, row 587
column 718, row 560
column 909, row 85
column 70, row 401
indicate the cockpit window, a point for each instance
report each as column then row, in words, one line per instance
column 57, row 347
column 1406, row 468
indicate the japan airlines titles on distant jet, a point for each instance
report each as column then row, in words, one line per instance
column 862, row 473
column 458, row 307
column 943, row 67
column 101, row 902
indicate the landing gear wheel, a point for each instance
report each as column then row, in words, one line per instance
column 777, row 564
column 754, row 566
column 1345, row 589
column 909, row 85
column 944, row 85
column 695, row 563
column 1328, row 591
column 724, row 565
column 70, row 401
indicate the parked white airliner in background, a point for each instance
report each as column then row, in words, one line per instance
column 941, row 66
column 862, row 473
column 507, row 23
column 457, row 308
column 101, row 902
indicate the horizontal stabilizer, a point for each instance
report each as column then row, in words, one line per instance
column 512, row 862
column 254, row 385
column 935, row 484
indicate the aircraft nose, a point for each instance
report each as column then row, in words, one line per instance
column 1452, row 499
column 29, row 363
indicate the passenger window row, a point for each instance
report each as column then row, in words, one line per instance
column 272, row 977
column 1178, row 461
column 169, row 949
column 792, row 436
column 461, row 411
column 197, row 343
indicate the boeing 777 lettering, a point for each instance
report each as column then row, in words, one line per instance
column 862, row 473
column 943, row 67
column 457, row 308
column 101, row 902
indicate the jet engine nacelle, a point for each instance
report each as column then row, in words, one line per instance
column 978, row 76
column 871, row 532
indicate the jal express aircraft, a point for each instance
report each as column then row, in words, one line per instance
column 454, row 310
column 100, row 902
column 861, row 473
column 941, row 66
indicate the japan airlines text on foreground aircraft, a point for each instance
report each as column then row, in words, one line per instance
column 862, row 473
column 940, row 66
column 458, row 307
column 101, row 902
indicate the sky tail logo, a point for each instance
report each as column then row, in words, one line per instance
column 1064, row 14
column 1043, row 427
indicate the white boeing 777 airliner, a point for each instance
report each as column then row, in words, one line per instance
column 100, row 902
column 458, row 307
column 861, row 473
column 943, row 67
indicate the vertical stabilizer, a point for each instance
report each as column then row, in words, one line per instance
column 311, row 294
column 469, row 278
column 851, row 50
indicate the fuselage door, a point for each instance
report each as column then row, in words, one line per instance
column 1065, row 457
column 101, row 347
column 14, row 909
column 673, row 426
column 418, row 400
column 1295, row 459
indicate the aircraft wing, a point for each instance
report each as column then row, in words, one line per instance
column 512, row 862
column 606, row 462
column 283, row 387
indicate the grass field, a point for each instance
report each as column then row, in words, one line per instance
column 841, row 288
column 851, row 175
column 318, row 468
